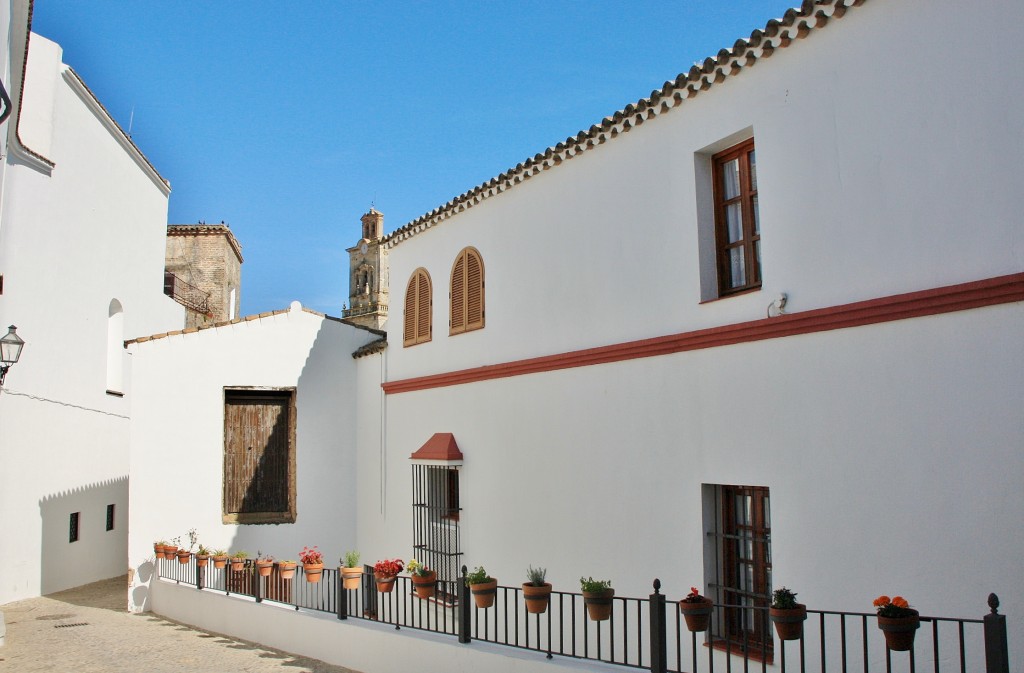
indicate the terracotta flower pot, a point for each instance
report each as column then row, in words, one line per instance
column 170, row 551
column 789, row 623
column 697, row 615
column 220, row 561
column 900, row 631
column 536, row 598
column 202, row 560
column 484, row 592
column 314, row 571
column 264, row 568
column 599, row 604
column 183, row 556
column 238, row 564
column 158, row 549
column 424, row 585
column 287, row 569
column 385, row 585
column 351, row 578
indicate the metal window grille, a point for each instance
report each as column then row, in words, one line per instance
column 110, row 517
column 436, row 541
column 73, row 527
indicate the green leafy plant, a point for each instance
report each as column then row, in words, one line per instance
column 478, row 576
column 240, row 554
column 536, row 576
column 162, row 543
column 416, row 568
column 203, row 551
column 592, row 586
column 784, row 599
column 897, row 606
column 350, row 560
column 220, row 552
column 694, row 596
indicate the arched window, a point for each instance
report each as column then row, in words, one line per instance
column 417, row 308
column 467, row 292
column 115, row 347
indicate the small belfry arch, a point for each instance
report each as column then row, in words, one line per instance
column 467, row 292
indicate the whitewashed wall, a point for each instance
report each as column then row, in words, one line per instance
column 891, row 451
column 877, row 175
column 72, row 238
column 177, row 442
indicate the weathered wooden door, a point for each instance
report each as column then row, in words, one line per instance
column 257, row 453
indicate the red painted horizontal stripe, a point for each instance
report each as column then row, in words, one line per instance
column 1001, row 290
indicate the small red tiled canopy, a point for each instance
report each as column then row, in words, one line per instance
column 440, row 447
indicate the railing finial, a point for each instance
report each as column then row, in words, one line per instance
column 657, row 585
column 993, row 602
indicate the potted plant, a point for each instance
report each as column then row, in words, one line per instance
column 202, row 556
column 264, row 564
column 696, row 611
column 482, row 586
column 899, row 622
column 787, row 615
column 158, row 548
column 171, row 548
column 286, row 569
column 351, row 571
column 184, row 555
column 536, row 592
column 597, row 596
column 312, row 563
column 384, row 573
column 220, row 558
column 423, row 578
column 238, row 560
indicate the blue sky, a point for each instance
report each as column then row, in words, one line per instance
column 286, row 120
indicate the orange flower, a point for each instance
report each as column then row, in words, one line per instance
column 882, row 600
column 900, row 602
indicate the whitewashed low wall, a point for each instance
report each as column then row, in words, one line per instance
column 354, row 643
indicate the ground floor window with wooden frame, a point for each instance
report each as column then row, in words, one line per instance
column 738, row 564
column 259, row 455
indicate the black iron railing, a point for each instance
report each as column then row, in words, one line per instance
column 646, row 633
column 185, row 293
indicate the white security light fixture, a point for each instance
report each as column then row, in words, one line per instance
column 10, row 350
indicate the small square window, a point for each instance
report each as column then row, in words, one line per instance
column 110, row 517
column 73, row 527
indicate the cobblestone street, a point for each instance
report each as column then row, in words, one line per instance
column 88, row 630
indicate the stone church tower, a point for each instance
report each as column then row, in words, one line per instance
column 368, row 275
column 203, row 272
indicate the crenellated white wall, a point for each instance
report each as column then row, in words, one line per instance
column 73, row 238
column 177, row 455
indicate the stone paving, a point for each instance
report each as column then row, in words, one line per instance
column 88, row 630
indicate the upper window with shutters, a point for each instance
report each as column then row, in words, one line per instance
column 417, row 309
column 467, row 295
column 737, row 228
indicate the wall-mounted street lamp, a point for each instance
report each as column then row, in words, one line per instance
column 10, row 350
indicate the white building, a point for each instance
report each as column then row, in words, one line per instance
column 82, row 225
column 636, row 353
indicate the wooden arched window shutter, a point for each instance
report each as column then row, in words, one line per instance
column 417, row 309
column 467, row 296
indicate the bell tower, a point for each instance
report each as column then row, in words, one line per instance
column 368, row 275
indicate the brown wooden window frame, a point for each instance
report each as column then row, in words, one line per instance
column 419, row 302
column 749, row 242
column 287, row 514
column 467, row 292
column 743, row 542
